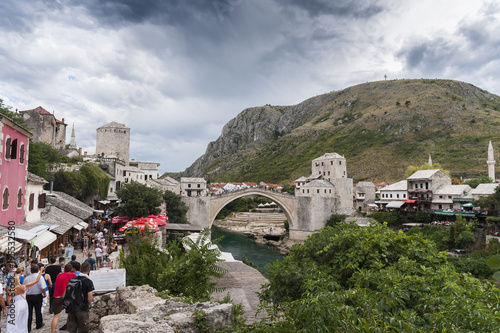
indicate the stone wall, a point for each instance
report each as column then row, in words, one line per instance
column 138, row 309
column 199, row 210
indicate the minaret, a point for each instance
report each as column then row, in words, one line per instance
column 491, row 162
column 430, row 160
column 72, row 144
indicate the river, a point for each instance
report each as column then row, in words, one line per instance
column 241, row 246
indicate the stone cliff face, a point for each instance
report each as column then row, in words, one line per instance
column 380, row 127
column 254, row 128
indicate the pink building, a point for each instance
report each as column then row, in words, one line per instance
column 14, row 141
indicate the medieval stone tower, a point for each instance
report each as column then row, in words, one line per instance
column 113, row 140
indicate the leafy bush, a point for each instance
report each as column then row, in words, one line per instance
column 465, row 239
column 172, row 270
column 371, row 279
column 335, row 219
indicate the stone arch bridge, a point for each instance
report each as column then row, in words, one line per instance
column 284, row 201
column 304, row 214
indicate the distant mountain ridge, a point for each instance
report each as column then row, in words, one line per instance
column 380, row 127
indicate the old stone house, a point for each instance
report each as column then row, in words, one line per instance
column 46, row 127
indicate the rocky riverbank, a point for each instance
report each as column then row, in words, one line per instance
column 264, row 228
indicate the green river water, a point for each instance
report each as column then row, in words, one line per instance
column 240, row 246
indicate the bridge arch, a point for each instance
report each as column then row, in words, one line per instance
column 284, row 201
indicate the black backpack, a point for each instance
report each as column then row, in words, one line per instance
column 73, row 299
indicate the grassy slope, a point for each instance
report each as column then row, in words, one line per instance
column 453, row 121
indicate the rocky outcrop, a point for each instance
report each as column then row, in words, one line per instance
column 138, row 309
column 374, row 125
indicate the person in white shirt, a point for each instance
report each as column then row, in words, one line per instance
column 34, row 297
column 98, row 256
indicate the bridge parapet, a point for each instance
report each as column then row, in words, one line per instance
column 252, row 189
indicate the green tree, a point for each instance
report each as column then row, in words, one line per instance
column 410, row 170
column 174, row 270
column 138, row 200
column 335, row 219
column 16, row 117
column 43, row 156
column 96, row 181
column 465, row 239
column 478, row 180
column 192, row 274
column 176, row 208
column 72, row 183
column 87, row 184
column 371, row 279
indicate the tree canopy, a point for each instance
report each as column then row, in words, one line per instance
column 16, row 117
column 89, row 183
column 138, row 200
column 176, row 209
column 478, row 180
column 410, row 170
column 348, row 278
column 172, row 270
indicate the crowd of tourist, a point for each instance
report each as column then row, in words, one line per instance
column 32, row 288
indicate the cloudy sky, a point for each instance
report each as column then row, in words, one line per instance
column 176, row 71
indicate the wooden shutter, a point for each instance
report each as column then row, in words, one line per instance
column 32, row 201
column 41, row 200
column 7, row 148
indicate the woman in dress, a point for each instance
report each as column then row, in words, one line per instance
column 17, row 312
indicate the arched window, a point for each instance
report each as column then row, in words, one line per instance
column 19, row 198
column 5, row 198
column 13, row 149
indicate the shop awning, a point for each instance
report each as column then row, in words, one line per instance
column 6, row 245
column 463, row 199
column 24, row 234
column 44, row 239
column 78, row 227
column 410, row 201
column 395, row 204
column 456, row 212
column 84, row 224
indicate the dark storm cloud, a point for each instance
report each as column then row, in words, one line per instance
column 171, row 12
column 470, row 47
column 348, row 8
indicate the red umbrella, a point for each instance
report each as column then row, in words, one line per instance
column 157, row 219
column 145, row 221
column 120, row 219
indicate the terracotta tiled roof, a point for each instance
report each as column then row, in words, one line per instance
column 40, row 110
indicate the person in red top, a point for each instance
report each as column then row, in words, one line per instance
column 59, row 289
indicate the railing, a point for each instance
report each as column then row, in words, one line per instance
column 252, row 189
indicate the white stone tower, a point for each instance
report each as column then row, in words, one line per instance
column 491, row 162
column 72, row 143
column 113, row 140
column 430, row 161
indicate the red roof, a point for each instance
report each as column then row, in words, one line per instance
column 40, row 110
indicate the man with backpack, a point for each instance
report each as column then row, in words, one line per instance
column 59, row 289
column 77, row 298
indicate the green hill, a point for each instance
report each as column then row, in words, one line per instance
column 380, row 127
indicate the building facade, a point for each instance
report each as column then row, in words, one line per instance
column 14, row 142
column 193, row 187
column 45, row 127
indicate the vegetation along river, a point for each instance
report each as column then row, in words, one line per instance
column 241, row 246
